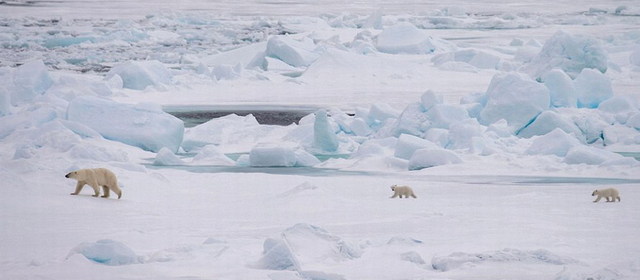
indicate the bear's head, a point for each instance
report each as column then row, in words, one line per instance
column 73, row 175
column 594, row 193
column 393, row 188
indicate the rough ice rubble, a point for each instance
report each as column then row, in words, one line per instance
column 144, row 126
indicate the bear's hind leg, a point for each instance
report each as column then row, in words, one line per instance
column 105, row 189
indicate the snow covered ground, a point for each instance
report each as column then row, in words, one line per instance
column 502, row 116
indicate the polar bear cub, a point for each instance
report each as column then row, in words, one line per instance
column 607, row 193
column 402, row 191
column 96, row 178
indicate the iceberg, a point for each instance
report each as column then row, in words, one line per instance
column 147, row 127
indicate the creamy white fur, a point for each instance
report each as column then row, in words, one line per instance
column 400, row 191
column 607, row 193
column 96, row 178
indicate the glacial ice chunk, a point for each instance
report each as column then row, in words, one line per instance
column 406, row 38
column 137, row 125
column 515, row 98
column 297, row 53
column 5, row 102
column 211, row 155
column 324, row 136
column 571, row 53
column 443, row 115
column 29, row 80
column 592, row 88
column 139, row 75
column 589, row 155
column 546, row 122
column 561, row 89
column 272, row 156
column 407, row 144
column 556, row 142
column 425, row 158
column 302, row 245
column 108, row 252
column 167, row 157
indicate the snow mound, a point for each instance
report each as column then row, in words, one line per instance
column 571, row 53
column 143, row 125
column 515, row 98
column 542, row 256
column 297, row 53
column 303, row 245
column 106, row 251
column 139, row 75
column 426, row 158
column 404, row 38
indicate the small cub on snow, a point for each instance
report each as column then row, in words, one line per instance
column 96, row 178
column 607, row 193
column 402, row 190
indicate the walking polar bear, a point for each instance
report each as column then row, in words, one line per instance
column 607, row 193
column 96, row 178
column 402, row 191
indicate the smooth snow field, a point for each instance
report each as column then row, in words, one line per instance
column 260, row 139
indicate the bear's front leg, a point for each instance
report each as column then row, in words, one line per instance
column 597, row 199
column 79, row 186
column 96, row 190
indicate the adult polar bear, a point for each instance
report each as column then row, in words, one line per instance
column 96, row 178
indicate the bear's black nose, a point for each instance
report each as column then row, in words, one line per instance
column 67, row 176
